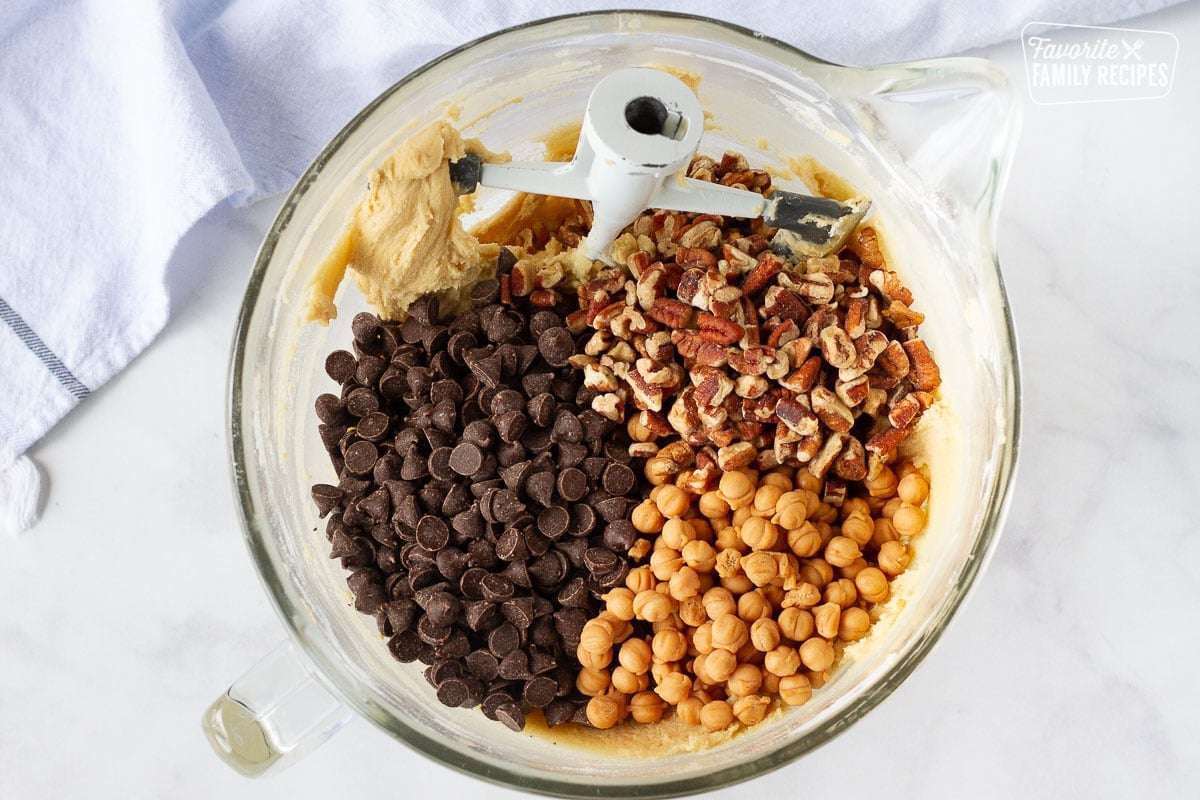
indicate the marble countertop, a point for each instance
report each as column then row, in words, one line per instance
column 1069, row 673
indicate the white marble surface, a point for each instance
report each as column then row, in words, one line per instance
column 1070, row 672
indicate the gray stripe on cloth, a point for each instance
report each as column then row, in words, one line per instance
column 36, row 346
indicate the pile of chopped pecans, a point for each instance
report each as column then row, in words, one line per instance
column 755, row 359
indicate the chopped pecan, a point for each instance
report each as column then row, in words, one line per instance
column 808, row 447
column 712, row 385
column 659, row 347
column 671, row 313
column 779, row 302
column 681, row 453
column 830, row 450
column 704, row 234
column 886, row 441
column 548, row 275
column 694, row 349
column 821, row 318
column 643, row 450
column 852, row 463
column 797, row 349
column 737, row 261
column 837, row 347
column 925, row 374
column 605, row 316
column 830, row 410
column 876, row 400
column 798, row 418
column 868, row 348
column 736, row 456
column 521, row 280
column 889, row 285
column 760, row 409
column 577, row 321
column 646, row 396
column 706, row 458
column 816, row 288
column 856, row 317
column 751, row 361
column 719, row 331
column 506, row 295
column 908, row 409
column 544, row 298
column 651, row 286
column 691, row 289
column 784, row 332
column 902, row 316
column 834, row 490
column 695, row 257
column 765, row 270
column 725, row 301
column 868, row 248
column 599, row 378
column 750, row 386
column 655, row 422
column 610, row 405
column 622, row 351
column 803, row 379
column 598, row 343
column 893, row 361
column 779, row 365
column 853, row 391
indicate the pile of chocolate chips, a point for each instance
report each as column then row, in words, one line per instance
column 482, row 504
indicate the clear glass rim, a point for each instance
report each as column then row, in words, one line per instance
column 327, row 667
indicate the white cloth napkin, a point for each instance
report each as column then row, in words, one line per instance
column 124, row 122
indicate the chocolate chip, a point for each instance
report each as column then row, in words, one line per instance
column 504, row 639
column 618, row 479
column 414, row 467
column 539, row 488
column 493, row 701
column 485, row 292
column 539, row 692
column 401, row 614
column 556, row 346
column 518, row 611
column 431, row 633
column 511, row 426
column 567, row 428
column 571, row 454
column 361, row 402
column 438, row 464
column 471, row 583
column 326, row 497
column 405, row 646
column 573, row 594
column 518, row 573
column 457, row 500
column 553, row 521
column 541, row 662
column 506, row 401
column 369, row 370
column 536, row 383
column 443, row 609
column 361, row 457
column 569, row 623
column 483, row 664
column 377, row 505
column 619, row 535
column 583, row 520
column 558, row 712
column 453, row 692
column 512, row 716
column 599, row 560
column 515, row 666
column 543, row 321
column 549, row 569
column 572, row 484
column 541, row 409
column 432, row 533
column 365, row 327
column 466, row 458
column 480, row 615
column 496, row 587
column 611, row 508
column 510, row 546
column 340, row 365
column 505, row 506
column 329, row 409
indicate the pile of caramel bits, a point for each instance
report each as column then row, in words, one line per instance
column 752, row 584
column 769, row 394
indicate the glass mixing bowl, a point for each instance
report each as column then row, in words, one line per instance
column 929, row 144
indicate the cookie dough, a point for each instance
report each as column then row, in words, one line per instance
column 405, row 238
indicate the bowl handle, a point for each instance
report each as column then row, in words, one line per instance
column 953, row 121
column 273, row 715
